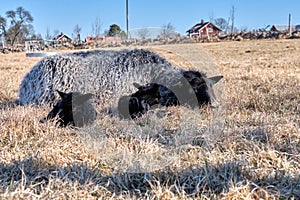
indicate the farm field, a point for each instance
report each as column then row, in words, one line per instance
column 249, row 148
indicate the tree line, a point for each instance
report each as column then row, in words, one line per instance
column 16, row 26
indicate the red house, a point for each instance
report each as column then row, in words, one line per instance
column 203, row 30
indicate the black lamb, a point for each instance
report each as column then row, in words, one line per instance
column 192, row 84
column 72, row 110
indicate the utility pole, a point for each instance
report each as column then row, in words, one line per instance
column 232, row 19
column 290, row 24
column 127, row 24
column 227, row 25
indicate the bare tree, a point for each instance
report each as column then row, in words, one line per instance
column 2, row 26
column 167, row 31
column 48, row 35
column 221, row 23
column 77, row 30
column 96, row 27
column 2, row 31
column 27, row 32
column 56, row 32
column 143, row 33
column 20, row 24
column 36, row 37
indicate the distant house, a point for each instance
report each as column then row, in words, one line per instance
column 203, row 30
column 63, row 38
column 94, row 38
column 281, row 28
column 91, row 39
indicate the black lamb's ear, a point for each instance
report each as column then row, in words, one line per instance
column 136, row 85
column 215, row 79
column 61, row 94
column 83, row 98
column 149, row 88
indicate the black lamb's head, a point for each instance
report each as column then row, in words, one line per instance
column 139, row 102
column 72, row 109
column 202, row 87
column 131, row 107
column 148, row 93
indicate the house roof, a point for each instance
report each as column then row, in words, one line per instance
column 281, row 28
column 200, row 26
column 62, row 35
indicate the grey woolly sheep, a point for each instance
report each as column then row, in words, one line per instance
column 100, row 72
column 107, row 74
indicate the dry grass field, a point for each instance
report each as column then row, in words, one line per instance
column 249, row 148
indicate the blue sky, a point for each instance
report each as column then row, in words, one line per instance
column 63, row 15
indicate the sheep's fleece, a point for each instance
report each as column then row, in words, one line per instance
column 107, row 74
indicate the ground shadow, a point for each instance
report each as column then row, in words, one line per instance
column 263, row 136
column 210, row 179
column 9, row 104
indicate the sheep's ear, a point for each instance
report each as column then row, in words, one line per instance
column 215, row 79
column 61, row 94
column 83, row 98
column 136, row 85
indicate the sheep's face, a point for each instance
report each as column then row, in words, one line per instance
column 69, row 109
column 148, row 93
column 131, row 107
column 139, row 102
column 202, row 86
